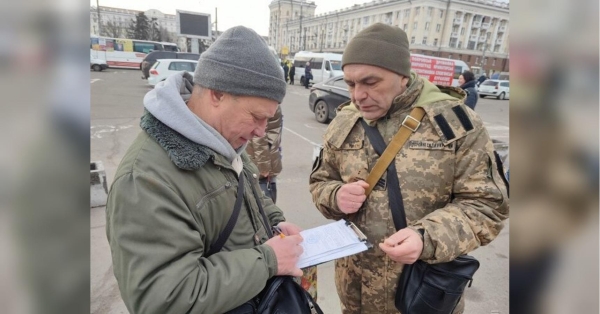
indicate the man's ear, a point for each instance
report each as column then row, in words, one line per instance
column 405, row 81
column 216, row 96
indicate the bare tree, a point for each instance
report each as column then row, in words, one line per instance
column 111, row 29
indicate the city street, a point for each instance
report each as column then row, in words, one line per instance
column 116, row 107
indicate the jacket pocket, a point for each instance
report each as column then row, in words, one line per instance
column 213, row 194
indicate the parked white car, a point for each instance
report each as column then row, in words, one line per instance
column 98, row 64
column 163, row 68
column 497, row 88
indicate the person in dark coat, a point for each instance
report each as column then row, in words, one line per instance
column 468, row 84
column 307, row 75
column 292, row 72
column 285, row 71
column 481, row 79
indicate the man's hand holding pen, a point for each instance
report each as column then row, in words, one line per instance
column 287, row 249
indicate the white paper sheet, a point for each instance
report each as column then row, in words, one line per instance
column 329, row 242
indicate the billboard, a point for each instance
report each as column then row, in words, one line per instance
column 438, row 71
column 194, row 24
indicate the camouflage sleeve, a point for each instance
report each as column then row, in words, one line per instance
column 325, row 181
column 260, row 153
column 480, row 204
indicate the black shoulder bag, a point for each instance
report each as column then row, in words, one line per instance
column 281, row 294
column 422, row 288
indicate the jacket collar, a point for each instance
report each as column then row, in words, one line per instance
column 184, row 153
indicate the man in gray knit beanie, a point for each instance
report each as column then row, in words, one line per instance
column 183, row 179
column 239, row 62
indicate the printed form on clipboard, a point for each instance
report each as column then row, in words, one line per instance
column 332, row 241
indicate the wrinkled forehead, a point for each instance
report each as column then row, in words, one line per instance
column 361, row 72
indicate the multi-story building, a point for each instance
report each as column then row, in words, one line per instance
column 475, row 31
column 118, row 21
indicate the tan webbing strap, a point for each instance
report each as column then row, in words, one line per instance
column 409, row 126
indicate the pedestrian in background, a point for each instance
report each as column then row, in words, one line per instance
column 292, row 73
column 468, row 84
column 265, row 152
column 285, row 71
column 307, row 75
column 481, row 79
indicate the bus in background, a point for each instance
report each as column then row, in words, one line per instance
column 122, row 53
column 323, row 65
column 439, row 71
column 170, row 47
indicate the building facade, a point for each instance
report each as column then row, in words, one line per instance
column 117, row 20
column 475, row 31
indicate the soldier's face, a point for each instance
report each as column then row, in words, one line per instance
column 372, row 89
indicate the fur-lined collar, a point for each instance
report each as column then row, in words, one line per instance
column 184, row 153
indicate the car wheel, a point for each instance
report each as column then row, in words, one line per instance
column 481, row 96
column 501, row 96
column 322, row 111
column 97, row 67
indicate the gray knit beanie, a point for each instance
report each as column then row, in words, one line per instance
column 380, row 45
column 239, row 62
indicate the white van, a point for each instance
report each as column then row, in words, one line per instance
column 323, row 65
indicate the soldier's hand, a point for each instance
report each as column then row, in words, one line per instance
column 404, row 246
column 351, row 196
column 287, row 251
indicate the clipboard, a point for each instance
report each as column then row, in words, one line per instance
column 331, row 241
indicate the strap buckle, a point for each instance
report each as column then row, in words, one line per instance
column 414, row 121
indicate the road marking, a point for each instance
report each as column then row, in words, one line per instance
column 302, row 137
column 95, row 80
column 314, row 127
column 97, row 130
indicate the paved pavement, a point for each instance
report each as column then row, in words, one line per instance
column 116, row 98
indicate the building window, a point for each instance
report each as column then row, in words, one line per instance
column 494, row 62
column 426, row 26
column 476, row 60
column 449, row 56
column 438, row 27
column 459, row 57
column 429, row 11
column 417, row 11
column 424, row 40
column 441, row 13
column 435, row 41
column 462, row 30
column 415, row 25
column 407, row 13
column 460, row 45
column 412, row 40
column 485, row 61
column 469, row 58
column 366, row 20
column 405, row 27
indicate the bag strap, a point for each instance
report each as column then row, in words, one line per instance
column 410, row 125
column 218, row 245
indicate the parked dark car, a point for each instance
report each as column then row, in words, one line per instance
column 326, row 96
column 151, row 58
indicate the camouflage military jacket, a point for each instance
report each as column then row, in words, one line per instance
column 265, row 151
column 448, row 181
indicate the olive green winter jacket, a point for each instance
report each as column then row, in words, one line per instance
column 169, row 202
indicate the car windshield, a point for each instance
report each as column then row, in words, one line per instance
column 490, row 83
column 336, row 65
